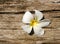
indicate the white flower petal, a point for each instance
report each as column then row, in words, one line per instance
column 38, row 14
column 26, row 28
column 27, row 17
column 38, row 31
column 44, row 23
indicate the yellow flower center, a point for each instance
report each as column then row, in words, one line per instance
column 33, row 22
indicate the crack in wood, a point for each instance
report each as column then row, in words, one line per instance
column 22, row 12
column 56, row 2
column 51, row 43
column 55, row 16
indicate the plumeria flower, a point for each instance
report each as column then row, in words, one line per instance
column 33, row 23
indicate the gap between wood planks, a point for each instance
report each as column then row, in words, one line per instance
column 22, row 12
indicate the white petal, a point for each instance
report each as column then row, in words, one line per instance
column 38, row 31
column 44, row 23
column 27, row 17
column 26, row 28
column 38, row 14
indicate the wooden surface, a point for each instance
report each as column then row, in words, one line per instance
column 11, row 12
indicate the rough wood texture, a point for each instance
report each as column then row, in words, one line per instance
column 11, row 12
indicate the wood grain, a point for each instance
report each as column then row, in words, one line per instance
column 21, row 5
column 11, row 13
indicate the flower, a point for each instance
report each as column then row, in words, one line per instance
column 33, row 23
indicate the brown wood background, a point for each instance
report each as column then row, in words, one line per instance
column 11, row 12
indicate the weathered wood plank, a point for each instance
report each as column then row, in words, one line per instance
column 29, row 42
column 21, row 35
column 16, row 42
column 53, row 15
column 14, row 20
column 15, row 36
column 21, row 5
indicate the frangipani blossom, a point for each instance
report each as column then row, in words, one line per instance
column 34, row 22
